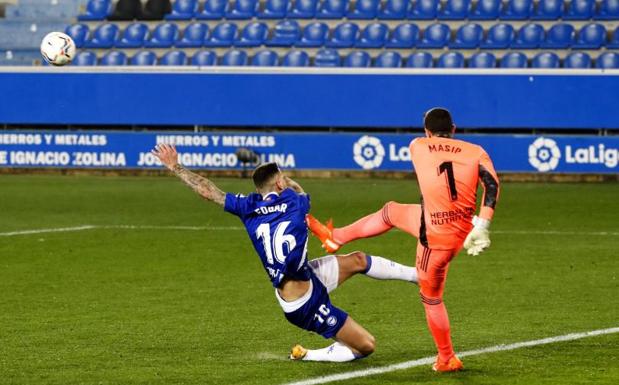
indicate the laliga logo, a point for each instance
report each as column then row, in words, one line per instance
column 368, row 152
column 544, row 154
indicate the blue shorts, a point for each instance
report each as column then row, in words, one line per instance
column 314, row 311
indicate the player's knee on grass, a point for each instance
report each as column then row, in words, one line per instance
column 367, row 346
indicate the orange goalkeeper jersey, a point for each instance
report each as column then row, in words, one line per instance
column 448, row 172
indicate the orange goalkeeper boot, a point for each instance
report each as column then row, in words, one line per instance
column 323, row 232
column 452, row 365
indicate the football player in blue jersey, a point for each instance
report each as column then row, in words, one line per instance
column 274, row 218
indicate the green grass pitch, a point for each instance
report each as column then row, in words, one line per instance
column 161, row 306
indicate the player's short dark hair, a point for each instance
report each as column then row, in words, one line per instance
column 438, row 121
column 264, row 173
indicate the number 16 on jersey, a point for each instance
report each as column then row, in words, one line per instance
column 275, row 248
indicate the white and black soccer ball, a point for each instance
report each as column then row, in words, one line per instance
column 58, row 48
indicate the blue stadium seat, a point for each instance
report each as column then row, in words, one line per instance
column 85, row 58
column 451, row 60
column 327, row 58
column 435, row 36
column 357, row 59
column 514, row 60
column 424, row 9
column 577, row 60
column 144, row 58
column 517, row 10
column 332, row 9
column 591, row 36
column 614, row 40
column 373, row 36
column 468, row 36
column 275, row 9
column 486, row 10
column 265, row 58
column 364, row 9
column 79, row 33
column 223, row 35
column 579, row 10
column 194, row 35
column 174, row 58
column 608, row 60
column 303, row 9
column 243, row 9
column 213, row 10
column 164, row 36
column 183, row 10
column 500, row 36
column 394, row 10
column 234, row 57
column 548, row 10
column 97, row 10
column 285, row 34
column 296, row 59
column 559, row 36
column 545, row 60
column 388, row 59
column 420, row 60
column 344, row 35
column 254, row 35
column 133, row 36
column 455, row 10
column 204, row 58
column 530, row 35
column 405, row 35
column 482, row 60
column 314, row 35
column 114, row 58
column 608, row 10
column 103, row 37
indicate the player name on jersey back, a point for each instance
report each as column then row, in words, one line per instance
column 444, row 148
column 264, row 210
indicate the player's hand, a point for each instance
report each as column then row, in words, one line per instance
column 479, row 238
column 167, row 155
column 293, row 185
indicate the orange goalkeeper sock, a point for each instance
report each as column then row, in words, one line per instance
column 368, row 226
column 438, row 322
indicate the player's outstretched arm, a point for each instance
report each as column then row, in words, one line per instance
column 205, row 188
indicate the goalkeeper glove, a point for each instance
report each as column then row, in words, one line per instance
column 478, row 239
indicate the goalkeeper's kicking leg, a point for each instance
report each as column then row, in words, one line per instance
column 352, row 340
column 406, row 217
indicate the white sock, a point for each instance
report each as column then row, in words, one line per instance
column 334, row 353
column 382, row 268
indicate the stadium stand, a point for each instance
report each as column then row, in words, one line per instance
column 418, row 31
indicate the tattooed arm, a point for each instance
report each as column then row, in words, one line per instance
column 205, row 188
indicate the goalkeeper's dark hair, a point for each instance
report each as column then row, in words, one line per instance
column 264, row 174
column 438, row 121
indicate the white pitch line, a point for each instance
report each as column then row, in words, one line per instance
column 555, row 232
column 52, row 230
column 236, row 228
column 120, row 227
column 429, row 360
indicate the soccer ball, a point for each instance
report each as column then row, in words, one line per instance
column 58, row 48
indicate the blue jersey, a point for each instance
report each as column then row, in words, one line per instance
column 276, row 226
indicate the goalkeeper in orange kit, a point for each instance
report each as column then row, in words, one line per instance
column 448, row 172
